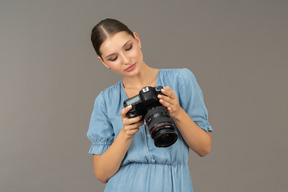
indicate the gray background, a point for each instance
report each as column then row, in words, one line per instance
column 50, row 76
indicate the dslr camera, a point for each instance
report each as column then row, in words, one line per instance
column 160, row 124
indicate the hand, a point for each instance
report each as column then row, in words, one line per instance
column 170, row 101
column 130, row 125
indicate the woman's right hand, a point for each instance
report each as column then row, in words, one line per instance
column 130, row 125
column 108, row 163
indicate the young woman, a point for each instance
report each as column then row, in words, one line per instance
column 124, row 153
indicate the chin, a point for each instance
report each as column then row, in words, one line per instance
column 131, row 74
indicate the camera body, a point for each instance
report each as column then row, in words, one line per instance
column 140, row 103
column 160, row 125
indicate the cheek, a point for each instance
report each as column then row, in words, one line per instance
column 137, row 53
column 113, row 65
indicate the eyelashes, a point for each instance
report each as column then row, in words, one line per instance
column 113, row 59
column 127, row 49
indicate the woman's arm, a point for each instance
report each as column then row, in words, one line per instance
column 108, row 163
column 195, row 137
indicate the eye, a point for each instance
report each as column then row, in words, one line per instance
column 113, row 59
column 129, row 48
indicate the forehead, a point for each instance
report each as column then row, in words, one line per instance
column 114, row 43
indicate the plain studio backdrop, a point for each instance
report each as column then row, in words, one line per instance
column 50, row 76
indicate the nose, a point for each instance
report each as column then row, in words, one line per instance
column 125, row 59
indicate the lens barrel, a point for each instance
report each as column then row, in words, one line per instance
column 161, row 127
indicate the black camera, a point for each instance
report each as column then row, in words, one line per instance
column 160, row 124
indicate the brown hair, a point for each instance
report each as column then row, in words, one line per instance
column 104, row 29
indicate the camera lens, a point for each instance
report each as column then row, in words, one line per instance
column 161, row 127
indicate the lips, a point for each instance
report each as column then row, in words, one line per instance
column 131, row 67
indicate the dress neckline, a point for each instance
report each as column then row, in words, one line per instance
column 123, row 92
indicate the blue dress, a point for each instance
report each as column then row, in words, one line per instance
column 146, row 168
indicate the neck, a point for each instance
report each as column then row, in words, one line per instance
column 146, row 77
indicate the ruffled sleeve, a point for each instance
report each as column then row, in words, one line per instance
column 192, row 101
column 100, row 131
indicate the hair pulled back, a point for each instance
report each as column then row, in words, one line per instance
column 104, row 29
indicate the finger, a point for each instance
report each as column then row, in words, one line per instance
column 168, row 91
column 169, row 106
column 140, row 123
column 125, row 110
column 166, row 99
column 166, row 105
column 129, row 121
column 134, row 126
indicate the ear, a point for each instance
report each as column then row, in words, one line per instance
column 137, row 38
column 100, row 59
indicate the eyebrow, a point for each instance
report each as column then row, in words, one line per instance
column 122, row 47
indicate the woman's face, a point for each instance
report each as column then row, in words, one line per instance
column 122, row 53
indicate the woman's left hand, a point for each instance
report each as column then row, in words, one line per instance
column 170, row 101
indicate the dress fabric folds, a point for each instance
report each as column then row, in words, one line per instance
column 147, row 168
